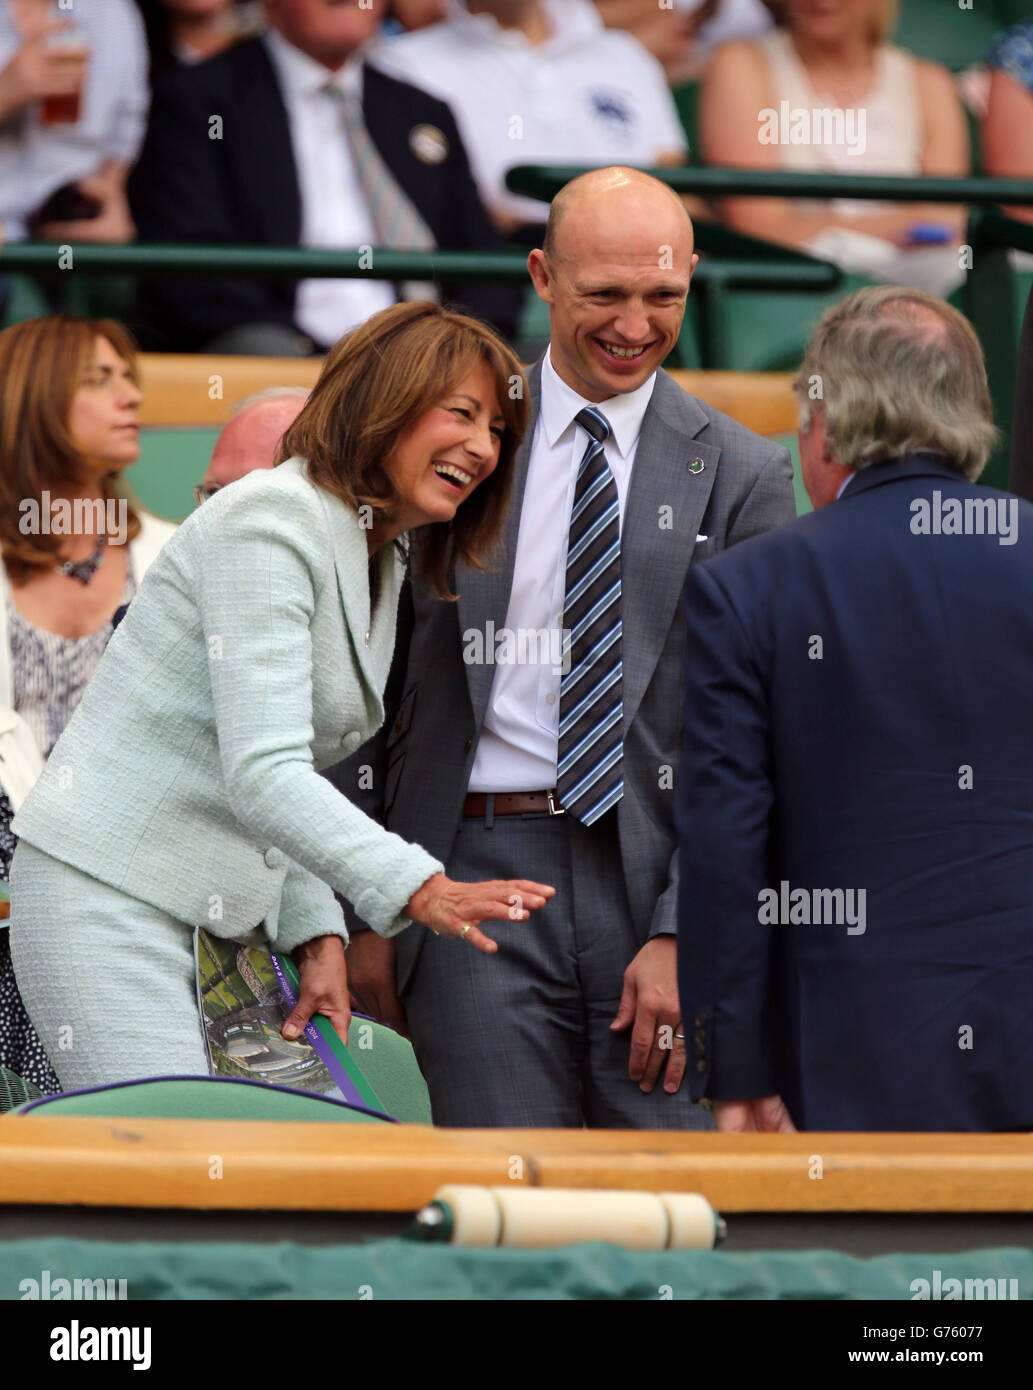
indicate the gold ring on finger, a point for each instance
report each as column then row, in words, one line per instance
column 465, row 931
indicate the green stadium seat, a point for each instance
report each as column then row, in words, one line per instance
column 171, row 462
column 939, row 30
column 686, row 100
column 388, row 1063
column 26, row 301
column 199, row 1098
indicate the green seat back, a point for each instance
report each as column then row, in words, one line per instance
column 171, row 462
column 686, row 101
column 389, row 1064
column 939, row 30
column 199, row 1098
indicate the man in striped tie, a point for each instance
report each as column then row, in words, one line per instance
column 554, row 758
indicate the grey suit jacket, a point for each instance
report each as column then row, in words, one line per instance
column 187, row 777
column 419, row 764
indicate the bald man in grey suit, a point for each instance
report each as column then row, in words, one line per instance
column 504, row 759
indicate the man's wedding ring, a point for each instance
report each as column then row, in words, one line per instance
column 680, row 1037
column 465, row 930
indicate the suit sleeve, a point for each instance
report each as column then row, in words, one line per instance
column 1020, row 478
column 723, row 807
column 307, row 908
column 262, row 570
column 181, row 192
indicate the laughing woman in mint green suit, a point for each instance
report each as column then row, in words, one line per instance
column 185, row 790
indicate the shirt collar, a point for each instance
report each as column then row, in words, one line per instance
column 844, row 485
column 301, row 76
column 560, row 404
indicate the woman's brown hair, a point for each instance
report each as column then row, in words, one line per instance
column 41, row 368
column 376, row 382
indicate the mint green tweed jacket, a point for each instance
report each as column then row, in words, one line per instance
column 189, row 775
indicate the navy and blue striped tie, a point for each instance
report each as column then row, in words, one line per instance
column 589, row 776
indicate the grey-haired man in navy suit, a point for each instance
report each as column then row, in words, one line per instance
column 555, row 758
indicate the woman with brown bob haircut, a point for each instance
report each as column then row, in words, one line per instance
column 255, row 655
column 73, row 552
column 418, row 346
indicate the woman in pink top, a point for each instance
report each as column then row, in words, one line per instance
column 825, row 90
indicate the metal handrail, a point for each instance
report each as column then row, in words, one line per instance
column 544, row 181
column 293, row 262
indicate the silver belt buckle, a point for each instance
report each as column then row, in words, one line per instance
column 554, row 810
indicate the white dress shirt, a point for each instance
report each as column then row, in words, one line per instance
column 333, row 207
column 517, row 748
column 36, row 160
column 587, row 95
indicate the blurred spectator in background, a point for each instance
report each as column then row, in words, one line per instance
column 292, row 139
column 1007, row 131
column 73, row 553
column 251, row 438
column 539, row 82
column 414, row 14
column 181, row 32
column 879, row 110
column 73, row 104
column 682, row 37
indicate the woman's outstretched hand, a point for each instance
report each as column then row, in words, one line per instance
column 455, row 909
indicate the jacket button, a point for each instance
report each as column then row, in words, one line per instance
column 275, row 858
column 468, row 745
column 701, row 1066
column 366, row 639
column 700, row 1048
column 700, row 1020
column 398, row 726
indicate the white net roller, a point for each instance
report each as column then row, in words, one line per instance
column 537, row 1217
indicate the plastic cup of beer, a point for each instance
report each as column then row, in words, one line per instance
column 65, row 109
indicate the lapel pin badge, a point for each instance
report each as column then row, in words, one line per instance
column 696, row 466
column 429, row 144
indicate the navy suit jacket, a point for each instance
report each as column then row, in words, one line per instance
column 858, row 707
column 1020, row 479
column 243, row 188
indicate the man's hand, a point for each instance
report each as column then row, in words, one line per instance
column 650, row 998
column 324, row 987
column 371, row 978
column 112, row 224
column 764, row 1115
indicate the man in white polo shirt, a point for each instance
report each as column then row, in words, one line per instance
column 539, row 81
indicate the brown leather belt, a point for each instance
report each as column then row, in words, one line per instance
column 513, row 804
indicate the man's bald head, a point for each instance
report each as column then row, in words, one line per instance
column 614, row 271
column 252, row 437
column 608, row 195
